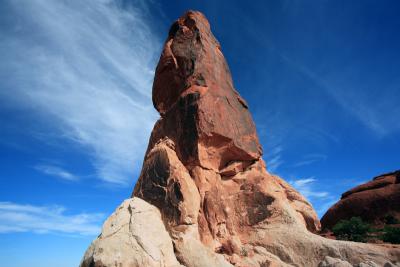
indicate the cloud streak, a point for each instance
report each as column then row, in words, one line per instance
column 310, row 159
column 369, row 109
column 320, row 199
column 86, row 67
column 274, row 159
column 57, row 172
column 46, row 219
column 307, row 188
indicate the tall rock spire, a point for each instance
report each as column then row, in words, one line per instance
column 203, row 166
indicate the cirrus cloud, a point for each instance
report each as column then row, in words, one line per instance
column 85, row 68
column 16, row 217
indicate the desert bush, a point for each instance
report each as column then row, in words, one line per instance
column 391, row 235
column 390, row 219
column 354, row 229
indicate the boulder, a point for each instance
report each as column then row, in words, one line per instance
column 133, row 236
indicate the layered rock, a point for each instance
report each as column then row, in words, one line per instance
column 204, row 172
column 372, row 201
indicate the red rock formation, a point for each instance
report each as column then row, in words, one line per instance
column 201, row 111
column 203, row 165
column 203, row 171
column 371, row 201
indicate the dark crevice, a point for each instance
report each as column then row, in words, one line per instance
column 174, row 29
column 177, row 192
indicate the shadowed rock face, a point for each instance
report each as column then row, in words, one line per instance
column 203, row 171
column 371, row 201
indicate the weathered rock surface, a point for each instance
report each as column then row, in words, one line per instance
column 371, row 201
column 133, row 236
column 203, row 170
column 201, row 112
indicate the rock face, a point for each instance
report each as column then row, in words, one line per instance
column 203, row 166
column 371, row 201
column 201, row 112
column 203, row 171
column 127, row 239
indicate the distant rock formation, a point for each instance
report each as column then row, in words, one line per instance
column 372, row 201
column 204, row 173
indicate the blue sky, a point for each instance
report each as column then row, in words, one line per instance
column 321, row 78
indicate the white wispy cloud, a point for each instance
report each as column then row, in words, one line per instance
column 274, row 159
column 308, row 189
column 310, row 159
column 86, row 68
column 369, row 105
column 47, row 219
column 57, row 172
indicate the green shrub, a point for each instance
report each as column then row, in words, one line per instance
column 391, row 235
column 353, row 230
column 390, row 219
